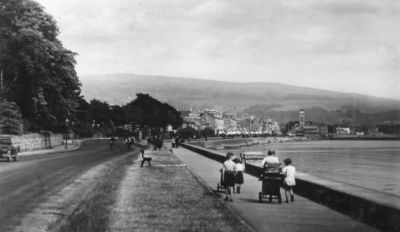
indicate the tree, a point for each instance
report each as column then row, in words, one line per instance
column 187, row 132
column 10, row 118
column 38, row 72
column 151, row 112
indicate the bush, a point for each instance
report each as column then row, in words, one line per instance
column 10, row 118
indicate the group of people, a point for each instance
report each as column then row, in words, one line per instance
column 129, row 142
column 232, row 175
column 288, row 171
column 233, row 169
column 156, row 141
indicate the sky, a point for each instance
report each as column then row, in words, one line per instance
column 341, row 45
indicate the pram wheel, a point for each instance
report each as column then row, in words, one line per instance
column 260, row 197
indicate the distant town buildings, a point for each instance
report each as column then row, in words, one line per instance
column 232, row 124
column 342, row 131
column 229, row 123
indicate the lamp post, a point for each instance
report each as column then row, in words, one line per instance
column 66, row 132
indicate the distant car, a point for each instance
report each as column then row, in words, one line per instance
column 7, row 150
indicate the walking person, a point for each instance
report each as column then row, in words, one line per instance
column 228, row 170
column 112, row 142
column 239, row 180
column 289, row 182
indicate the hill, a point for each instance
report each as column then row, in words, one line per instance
column 257, row 98
column 278, row 101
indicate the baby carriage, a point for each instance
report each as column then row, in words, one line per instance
column 271, row 178
column 220, row 185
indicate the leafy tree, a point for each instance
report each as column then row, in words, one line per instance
column 10, row 118
column 99, row 111
column 207, row 132
column 38, row 71
column 151, row 112
column 187, row 132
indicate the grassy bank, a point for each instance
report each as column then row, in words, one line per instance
column 93, row 212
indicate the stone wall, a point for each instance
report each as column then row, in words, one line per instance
column 32, row 142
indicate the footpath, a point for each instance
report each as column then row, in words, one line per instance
column 166, row 196
column 301, row 215
column 57, row 149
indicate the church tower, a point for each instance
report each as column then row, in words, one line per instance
column 302, row 118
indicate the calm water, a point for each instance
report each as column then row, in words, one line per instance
column 368, row 164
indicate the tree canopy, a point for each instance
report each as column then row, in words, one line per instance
column 38, row 72
column 151, row 112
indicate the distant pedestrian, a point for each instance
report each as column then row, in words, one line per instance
column 177, row 141
column 289, row 182
column 228, row 170
column 239, row 180
column 127, row 143
column 112, row 142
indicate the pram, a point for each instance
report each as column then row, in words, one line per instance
column 271, row 178
column 220, row 185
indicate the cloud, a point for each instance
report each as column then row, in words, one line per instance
column 349, row 7
column 287, row 41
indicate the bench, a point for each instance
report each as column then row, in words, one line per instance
column 144, row 159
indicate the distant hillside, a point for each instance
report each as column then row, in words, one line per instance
column 195, row 93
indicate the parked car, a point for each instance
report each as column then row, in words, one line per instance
column 7, row 149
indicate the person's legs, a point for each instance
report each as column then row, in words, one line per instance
column 227, row 193
column 286, row 192
column 291, row 194
column 230, row 188
column 287, row 195
column 238, row 188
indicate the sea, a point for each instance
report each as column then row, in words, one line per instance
column 374, row 165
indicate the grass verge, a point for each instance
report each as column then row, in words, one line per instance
column 93, row 212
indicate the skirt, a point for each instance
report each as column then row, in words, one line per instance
column 239, row 178
column 229, row 179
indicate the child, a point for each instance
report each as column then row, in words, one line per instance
column 239, row 173
column 289, row 171
column 228, row 170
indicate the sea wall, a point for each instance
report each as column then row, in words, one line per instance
column 232, row 143
column 32, row 142
column 374, row 208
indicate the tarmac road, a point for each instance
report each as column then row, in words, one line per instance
column 28, row 182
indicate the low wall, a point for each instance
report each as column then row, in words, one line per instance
column 231, row 143
column 33, row 142
column 374, row 208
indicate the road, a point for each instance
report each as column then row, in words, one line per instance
column 30, row 181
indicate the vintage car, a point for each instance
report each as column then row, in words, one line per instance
column 7, row 149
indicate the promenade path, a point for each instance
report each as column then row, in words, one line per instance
column 168, row 197
column 301, row 215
